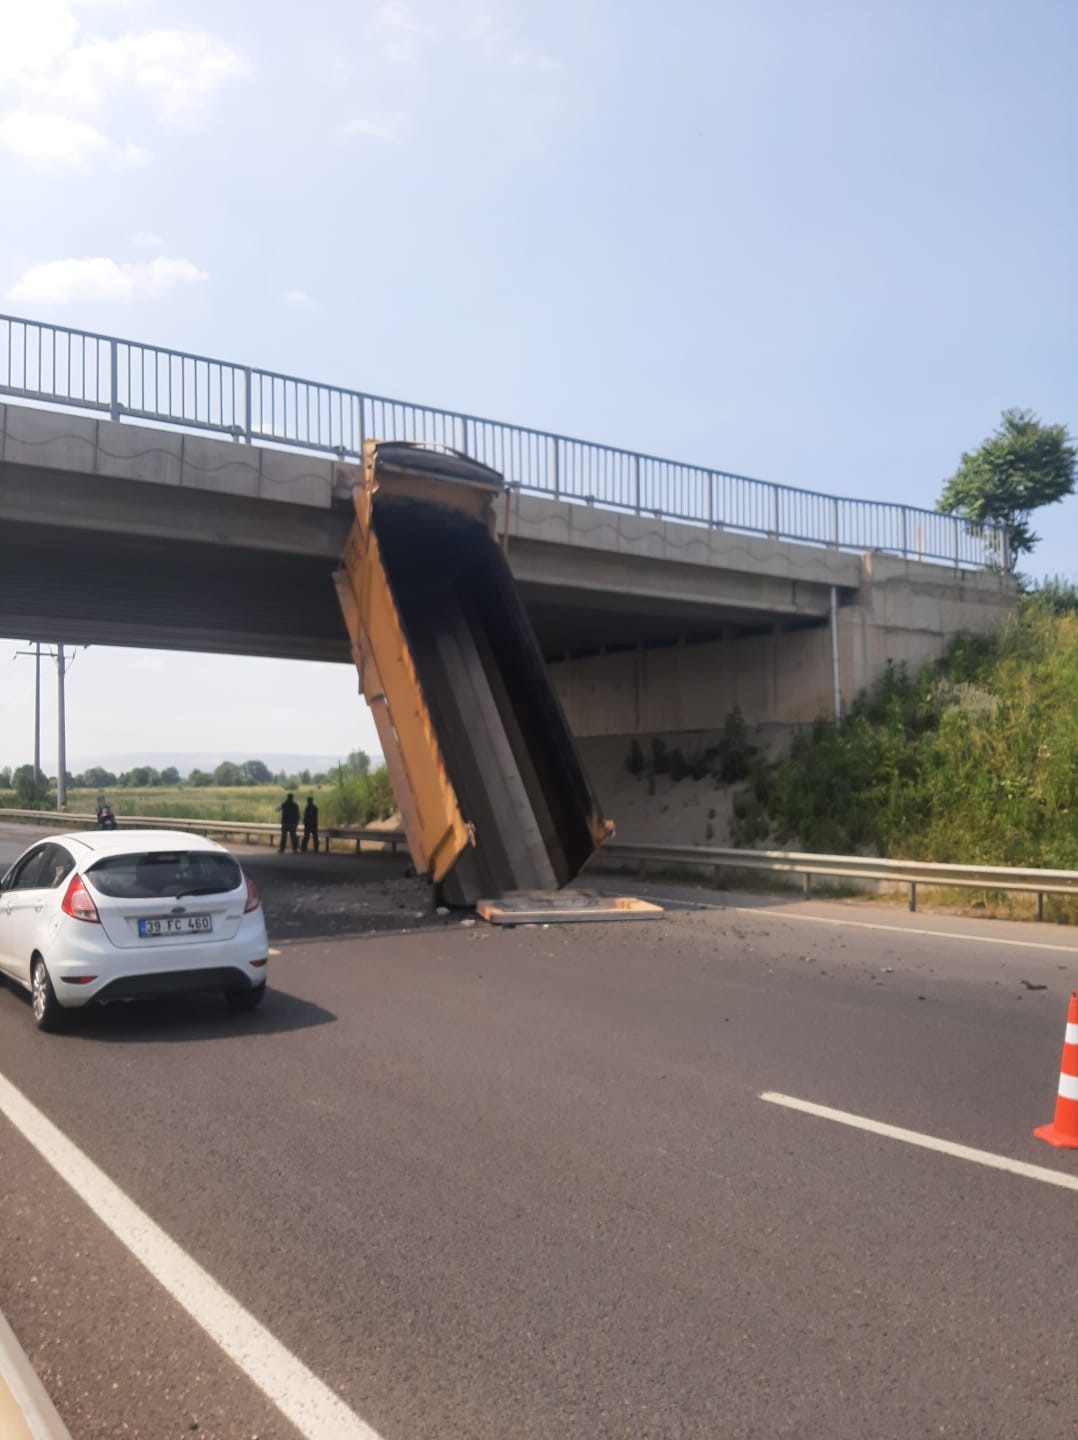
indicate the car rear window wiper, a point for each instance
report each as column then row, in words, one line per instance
column 201, row 890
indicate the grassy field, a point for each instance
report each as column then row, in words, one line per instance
column 194, row 802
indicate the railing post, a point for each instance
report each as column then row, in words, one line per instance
column 465, row 442
column 114, row 379
column 905, row 538
column 247, row 428
column 775, row 511
column 555, row 470
column 834, row 522
column 636, row 483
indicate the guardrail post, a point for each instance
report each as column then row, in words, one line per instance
column 806, row 884
column 114, row 379
column 913, row 896
column 1038, row 913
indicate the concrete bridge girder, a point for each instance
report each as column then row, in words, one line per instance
column 121, row 533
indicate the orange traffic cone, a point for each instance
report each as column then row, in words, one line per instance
column 1063, row 1131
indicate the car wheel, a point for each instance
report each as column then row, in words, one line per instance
column 246, row 999
column 48, row 1014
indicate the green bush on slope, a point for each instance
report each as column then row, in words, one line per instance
column 973, row 760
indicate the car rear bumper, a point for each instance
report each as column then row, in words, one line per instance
column 178, row 982
column 239, row 963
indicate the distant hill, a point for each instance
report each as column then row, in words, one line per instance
column 209, row 761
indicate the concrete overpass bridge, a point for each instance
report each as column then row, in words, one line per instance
column 196, row 504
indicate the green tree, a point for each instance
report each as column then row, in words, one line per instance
column 5, row 778
column 96, row 778
column 31, row 791
column 169, row 776
column 139, row 778
column 1023, row 466
column 199, row 777
column 228, row 773
column 256, row 772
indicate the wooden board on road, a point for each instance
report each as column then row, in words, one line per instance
column 556, row 907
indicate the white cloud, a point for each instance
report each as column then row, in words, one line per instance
column 496, row 49
column 99, row 278
column 174, row 69
column 47, row 64
column 33, row 40
column 399, row 30
column 133, row 157
column 300, row 300
column 51, row 142
column 389, row 127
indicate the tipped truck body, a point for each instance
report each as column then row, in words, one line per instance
column 492, row 792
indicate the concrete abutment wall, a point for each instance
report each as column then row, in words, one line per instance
column 903, row 613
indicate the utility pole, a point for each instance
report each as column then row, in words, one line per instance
column 61, row 739
column 37, row 711
column 63, row 664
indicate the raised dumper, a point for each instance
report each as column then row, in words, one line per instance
column 491, row 789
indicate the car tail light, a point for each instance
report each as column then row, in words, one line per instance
column 78, row 902
column 253, row 902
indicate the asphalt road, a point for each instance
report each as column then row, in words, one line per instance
column 503, row 1185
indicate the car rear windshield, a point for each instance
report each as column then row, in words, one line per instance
column 161, row 873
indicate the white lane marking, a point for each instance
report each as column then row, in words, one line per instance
column 764, row 913
column 311, row 1406
column 926, row 1142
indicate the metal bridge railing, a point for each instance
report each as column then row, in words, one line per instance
column 56, row 365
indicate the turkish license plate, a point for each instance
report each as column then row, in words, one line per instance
column 175, row 925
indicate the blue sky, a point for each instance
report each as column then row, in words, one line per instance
column 825, row 244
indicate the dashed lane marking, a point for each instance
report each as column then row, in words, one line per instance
column 297, row 1392
column 926, row 1142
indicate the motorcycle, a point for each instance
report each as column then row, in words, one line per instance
column 106, row 820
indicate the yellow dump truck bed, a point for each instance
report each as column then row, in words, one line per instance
column 491, row 789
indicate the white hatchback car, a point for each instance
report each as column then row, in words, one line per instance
column 113, row 915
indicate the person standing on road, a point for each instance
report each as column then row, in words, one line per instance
column 289, row 823
column 310, row 824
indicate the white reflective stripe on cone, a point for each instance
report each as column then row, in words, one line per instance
column 1072, row 1035
column 1068, row 1087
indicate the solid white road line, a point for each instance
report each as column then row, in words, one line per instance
column 310, row 1405
column 926, row 1142
column 765, row 913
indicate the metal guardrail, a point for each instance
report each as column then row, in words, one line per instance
column 712, row 858
column 249, row 828
column 853, row 867
column 128, row 379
